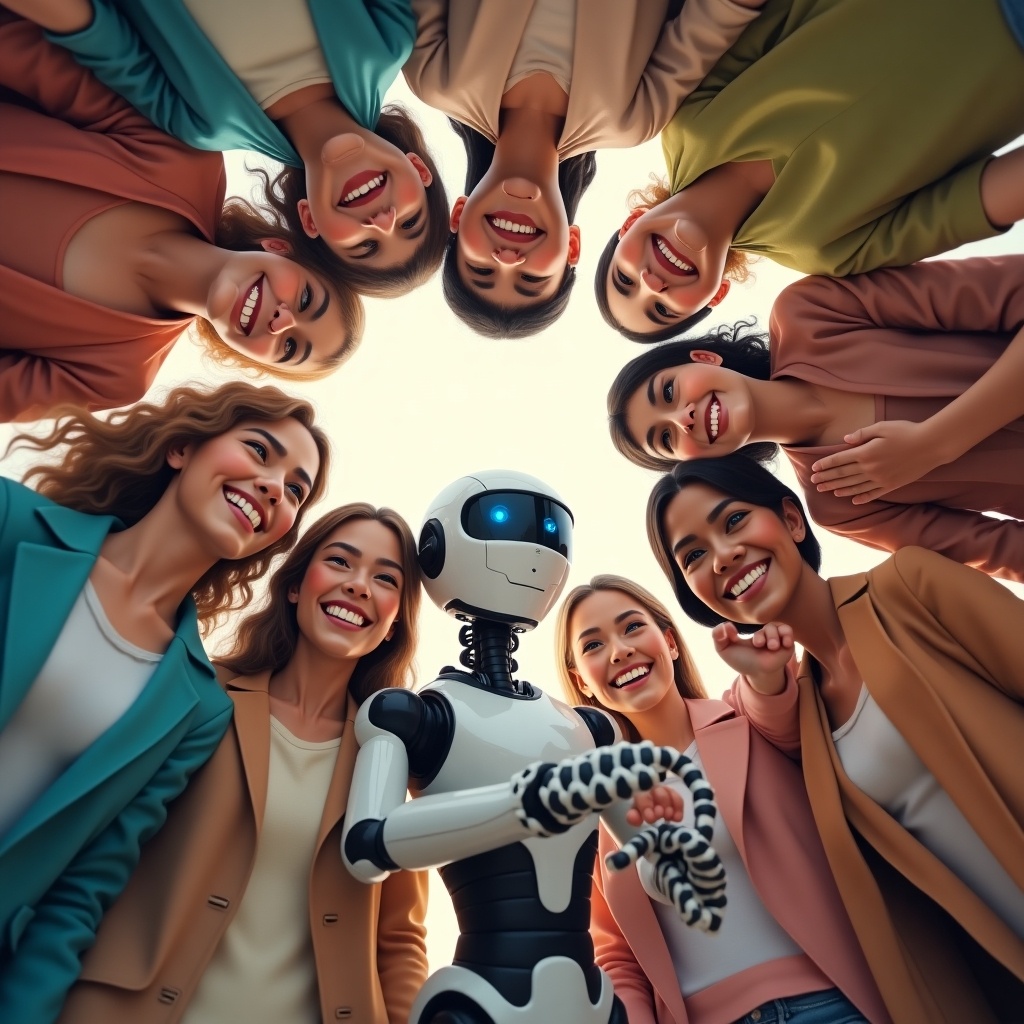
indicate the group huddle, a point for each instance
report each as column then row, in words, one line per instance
column 243, row 833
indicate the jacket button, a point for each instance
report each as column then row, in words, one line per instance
column 330, row 918
column 343, row 1012
column 755, row 1014
column 218, row 902
column 168, row 995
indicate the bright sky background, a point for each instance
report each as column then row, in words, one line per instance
column 425, row 401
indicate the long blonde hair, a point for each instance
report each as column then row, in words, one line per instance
column 266, row 639
column 684, row 671
column 118, row 466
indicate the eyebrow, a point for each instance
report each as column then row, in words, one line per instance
column 353, row 550
column 282, row 451
column 305, row 355
column 620, row 288
column 519, row 289
column 712, row 516
column 618, row 618
column 323, row 307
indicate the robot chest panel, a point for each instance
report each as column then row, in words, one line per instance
column 496, row 735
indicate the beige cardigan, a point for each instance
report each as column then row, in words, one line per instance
column 631, row 67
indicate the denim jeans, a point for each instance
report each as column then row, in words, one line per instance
column 829, row 1006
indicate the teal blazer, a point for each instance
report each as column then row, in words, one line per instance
column 155, row 55
column 71, row 853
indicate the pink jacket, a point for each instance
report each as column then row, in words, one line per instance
column 761, row 798
column 915, row 337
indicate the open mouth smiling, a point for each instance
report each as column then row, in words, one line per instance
column 248, row 508
column 250, row 307
column 713, row 418
column 363, row 188
column 670, row 260
column 749, row 576
column 631, row 675
column 513, row 227
column 345, row 615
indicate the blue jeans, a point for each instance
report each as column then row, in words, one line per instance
column 829, row 1006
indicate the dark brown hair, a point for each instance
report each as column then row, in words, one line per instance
column 266, row 639
column 118, row 466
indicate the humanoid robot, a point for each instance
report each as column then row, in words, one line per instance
column 514, row 831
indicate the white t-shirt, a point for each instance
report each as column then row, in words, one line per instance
column 547, row 44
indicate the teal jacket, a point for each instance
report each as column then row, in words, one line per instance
column 154, row 54
column 71, row 853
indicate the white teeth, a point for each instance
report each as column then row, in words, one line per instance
column 628, row 677
column 246, row 507
column 672, row 257
column 755, row 574
column 508, row 225
column 250, row 304
column 715, row 407
column 337, row 612
column 363, row 189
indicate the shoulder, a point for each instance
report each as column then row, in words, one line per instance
column 19, row 506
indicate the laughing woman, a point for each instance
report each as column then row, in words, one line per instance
column 895, row 396
column 107, row 701
column 835, row 137
column 785, row 938
column 300, row 83
column 533, row 89
column 907, row 717
column 108, row 251
column 241, row 909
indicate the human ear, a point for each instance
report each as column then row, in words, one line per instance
column 293, row 594
column 794, row 520
column 177, row 454
column 456, row 217
column 391, row 631
column 580, row 683
column 421, row 168
column 634, row 216
column 280, row 246
column 673, row 644
column 574, row 246
column 306, row 219
column 701, row 355
column 723, row 290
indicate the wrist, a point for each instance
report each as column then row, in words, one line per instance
column 767, row 683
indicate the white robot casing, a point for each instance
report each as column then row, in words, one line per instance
column 475, row 576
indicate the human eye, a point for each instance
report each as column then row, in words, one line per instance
column 367, row 248
column 691, row 556
column 734, row 519
column 259, row 448
column 622, row 279
column 408, row 225
column 386, row 577
column 532, row 278
column 298, row 490
column 340, row 560
column 632, row 627
column 668, row 390
column 480, row 271
column 305, row 298
column 290, row 348
column 591, row 645
column 662, row 310
column 666, row 440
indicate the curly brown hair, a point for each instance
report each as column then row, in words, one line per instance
column 118, row 466
column 266, row 639
column 277, row 212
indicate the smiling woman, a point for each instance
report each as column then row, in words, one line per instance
column 262, row 825
column 107, row 701
column 108, row 256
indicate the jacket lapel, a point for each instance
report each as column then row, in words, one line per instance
column 45, row 583
column 341, row 781
column 252, row 725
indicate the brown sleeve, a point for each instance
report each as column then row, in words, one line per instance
column 401, row 941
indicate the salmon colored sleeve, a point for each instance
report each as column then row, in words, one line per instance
column 775, row 716
column 612, row 950
column 401, row 941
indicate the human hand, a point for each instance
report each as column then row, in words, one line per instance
column 761, row 658
column 661, row 802
column 887, row 455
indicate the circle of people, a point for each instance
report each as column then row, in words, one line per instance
column 870, row 806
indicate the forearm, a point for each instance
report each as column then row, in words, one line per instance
column 1002, row 188
column 62, row 16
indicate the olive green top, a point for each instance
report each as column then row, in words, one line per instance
column 878, row 117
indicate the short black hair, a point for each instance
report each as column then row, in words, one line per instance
column 739, row 477
column 486, row 318
column 743, row 350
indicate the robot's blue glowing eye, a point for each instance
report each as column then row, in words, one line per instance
column 499, row 514
column 550, row 526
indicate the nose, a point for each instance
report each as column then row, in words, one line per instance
column 621, row 650
column 651, row 281
column 508, row 257
column 282, row 320
column 271, row 488
column 357, row 584
column 689, row 416
column 727, row 554
column 385, row 220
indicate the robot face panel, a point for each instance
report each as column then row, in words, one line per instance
column 497, row 545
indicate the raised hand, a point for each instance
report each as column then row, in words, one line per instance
column 760, row 658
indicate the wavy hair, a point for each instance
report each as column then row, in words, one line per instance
column 737, row 268
column 684, row 670
column 743, row 350
column 278, row 207
column 738, row 477
column 118, row 466
column 486, row 318
column 266, row 639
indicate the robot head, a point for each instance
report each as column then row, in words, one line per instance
column 497, row 546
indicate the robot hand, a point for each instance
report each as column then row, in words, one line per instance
column 554, row 797
column 687, row 871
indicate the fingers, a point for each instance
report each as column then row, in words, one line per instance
column 724, row 635
column 775, row 636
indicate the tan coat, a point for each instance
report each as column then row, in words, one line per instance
column 631, row 68
column 938, row 645
column 157, row 939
